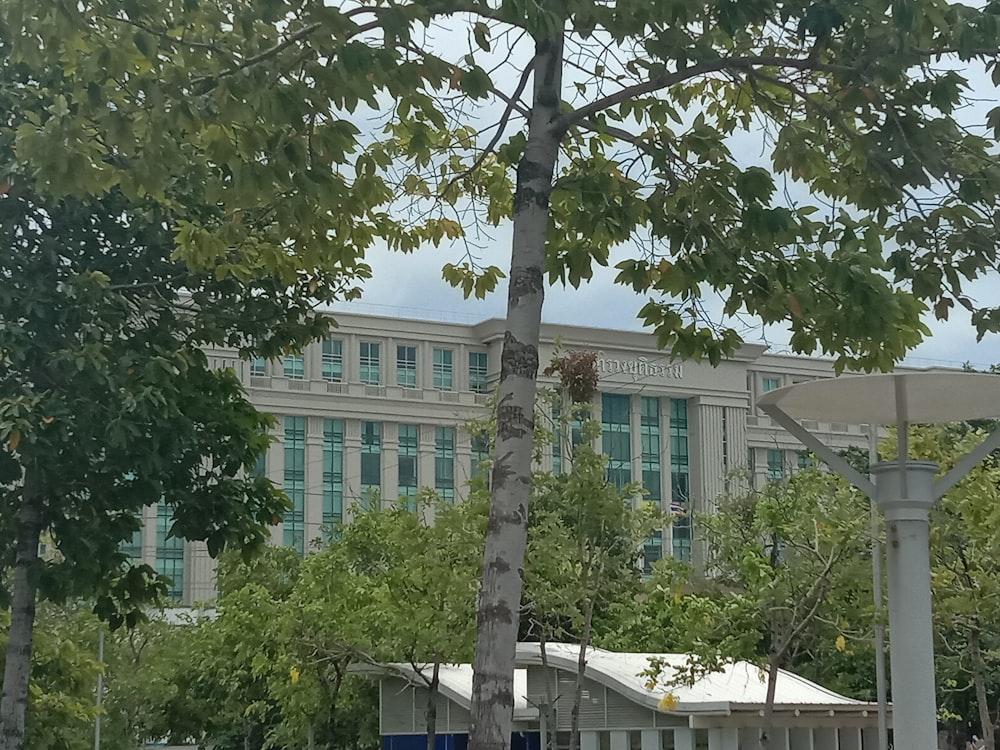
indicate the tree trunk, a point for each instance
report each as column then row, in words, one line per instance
column 581, row 667
column 17, row 669
column 431, row 714
column 548, row 710
column 767, row 725
column 507, row 530
column 979, row 680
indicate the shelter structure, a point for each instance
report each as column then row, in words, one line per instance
column 905, row 490
column 623, row 707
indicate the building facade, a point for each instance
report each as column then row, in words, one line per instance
column 381, row 408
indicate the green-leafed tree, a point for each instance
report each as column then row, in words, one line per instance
column 622, row 134
column 413, row 583
column 965, row 579
column 585, row 537
column 789, row 565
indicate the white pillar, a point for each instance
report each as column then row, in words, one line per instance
column 868, row 740
column 619, row 740
column 588, row 741
column 905, row 498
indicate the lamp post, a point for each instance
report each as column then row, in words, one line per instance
column 905, row 491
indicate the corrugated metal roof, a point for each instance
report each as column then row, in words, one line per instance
column 739, row 684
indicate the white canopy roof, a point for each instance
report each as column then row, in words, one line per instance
column 740, row 686
column 929, row 396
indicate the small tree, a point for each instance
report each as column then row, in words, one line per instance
column 775, row 556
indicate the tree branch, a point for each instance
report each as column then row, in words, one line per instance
column 501, row 128
column 569, row 119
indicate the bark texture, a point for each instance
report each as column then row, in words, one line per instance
column 17, row 669
column 506, row 536
column 979, row 680
column 431, row 713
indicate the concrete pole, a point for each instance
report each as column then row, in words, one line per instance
column 877, row 554
column 911, row 632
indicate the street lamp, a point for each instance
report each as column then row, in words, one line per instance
column 905, row 491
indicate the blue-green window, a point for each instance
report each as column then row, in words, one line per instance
column 771, row 384
column 408, row 445
column 371, row 369
column 295, row 367
column 651, row 470
column 258, row 367
column 443, row 375
column 406, row 366
column 295, row 483
column 680, row 479
column 169, row 552
column 332, row 362
column 480, row 456
column 478, row 372
column 371, row 461
column 133, row 547
column 775, row 463
column 444, row 462
column 616, row 438
column 333, row 473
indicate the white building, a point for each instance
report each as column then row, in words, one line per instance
column 382, row 403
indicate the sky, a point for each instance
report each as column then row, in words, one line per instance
column 411, row 285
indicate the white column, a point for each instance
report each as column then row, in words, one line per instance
column 707, row 474
column 825, row 739
column 352, row 468
column 390, row 464
column 866, row 738
column 619, row 740
column 588, row 741
column 313, row 510
column 683, row 739
column 906, row 503
column 276, row 473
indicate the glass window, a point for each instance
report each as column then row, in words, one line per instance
column 406, row 366
column 333, row 360
column 442, row 369
column 408, row 444
column 258, row 367
column 370, row 367
column 295, row 367
column 444, row 462
column 480, row 456
column 805, row 460
column 616, row 438
column 169, row 552
column 132, row 548
column 775, row 463
column 478, row 372
column 333, row 474
column 371, row 461
column 771, row 384
column 295, row 483
column 680, row 476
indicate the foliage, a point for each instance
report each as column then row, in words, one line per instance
column 65, row 669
